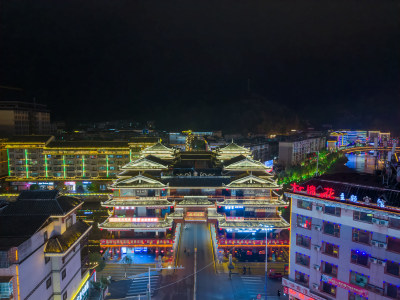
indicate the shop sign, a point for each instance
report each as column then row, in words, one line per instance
column 302, row 292
column 195, row 214
column 133, row 220
column 236, row 219
column 83, row 293
column 252, row 242
column 344, row 285
column 131, row 242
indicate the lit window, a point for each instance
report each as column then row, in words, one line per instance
column 360, row 258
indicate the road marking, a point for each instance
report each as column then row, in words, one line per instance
column 195, row 263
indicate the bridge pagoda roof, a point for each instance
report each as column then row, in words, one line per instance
column 244, row 163
column 140, row 181
column 149, row 162
column 251, row 181
column 195, row 201
column 274, row 223
column 162, row 224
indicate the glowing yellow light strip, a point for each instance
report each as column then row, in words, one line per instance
column 26, row 163
column 17, row 274
column 81, row 285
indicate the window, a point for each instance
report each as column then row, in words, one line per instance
column 69, row 222
column 304, row 204
column 392, row 291
column 46, row 260
column 329, row 269
column 361, row 236
column 393, row 268
column 330, row 249
column 301, row 278
column 328, row 288
column 360, row 258
column 332, row 210
column 358, row 279
column 64, row 273
column 394, row 223
column 393, row 244
column 302, row 259
column 362, row 216
column 356, row 297
column 303, row 241
column 304, row 222
column 65, row 296
column 332, row 229
column 45, row 236
column 48, row 283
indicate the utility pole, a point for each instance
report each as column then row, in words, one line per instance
column 316, row 173
column 158, row 269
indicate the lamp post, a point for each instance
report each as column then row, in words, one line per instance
column 267, row 229
column 157, row 269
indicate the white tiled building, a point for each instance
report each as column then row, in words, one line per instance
column 43, row 249
column 345, row 242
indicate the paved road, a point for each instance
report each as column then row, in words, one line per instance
column 180, row 284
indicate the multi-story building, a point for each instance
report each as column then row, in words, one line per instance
column 296, row 149
column 44, row 161
column 3, row 160
column 165, row 187
column 19, row 118
column 345, row 241
column 43, row 249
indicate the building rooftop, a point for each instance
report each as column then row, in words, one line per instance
column 14, row 230
column 29, row 139
column 63, row 242
column 88, row 144
column 40, row 203
column 196, row 181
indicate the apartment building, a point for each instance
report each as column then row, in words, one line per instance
column 345, row 241
column 43, row 160
column 295, row 150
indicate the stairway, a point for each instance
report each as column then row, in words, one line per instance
column 117, row 271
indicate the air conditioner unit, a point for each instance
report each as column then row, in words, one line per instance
column 375, row 243
column 316, row 247
column 316, row 267
column 315, row 286
column 373, row 260
column 317, row 227
column 381, row 262
column 318, row 208
column 383, row 245
column 384, row 222
column 375, row 220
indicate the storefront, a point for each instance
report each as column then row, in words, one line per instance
column 298, row 292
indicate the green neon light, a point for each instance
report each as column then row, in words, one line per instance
column 8, row 160
column 107, row 163
column 26, row 163
column 83, row 165
column 64, row 165
column 130, row 154
column 45, row 164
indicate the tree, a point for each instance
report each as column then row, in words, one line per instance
column 97, row 258
column 127, row 261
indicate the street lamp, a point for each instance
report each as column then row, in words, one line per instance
column 158, row 269
column 267, row 229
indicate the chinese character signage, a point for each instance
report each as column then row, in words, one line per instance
column 136, row 242
column 133, row 219
column 344, row 285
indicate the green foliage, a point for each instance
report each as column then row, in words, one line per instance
column 308, row 168
column 34, row 187
column 97, row 258
column 93, row 187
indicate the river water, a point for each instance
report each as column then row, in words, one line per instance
column 364, row 162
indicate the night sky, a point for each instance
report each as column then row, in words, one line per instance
column 187, row 64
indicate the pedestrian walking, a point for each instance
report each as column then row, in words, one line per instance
column 244, row 270
column 184, row 250
column 188, row 252
column 249, row 270
column 279, row 293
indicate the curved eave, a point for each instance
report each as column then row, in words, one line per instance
column 278, row 224
column 61, row 254
column 137, row 203
column 252, row 186
column 254, row 203
column 135, row 225
column 138, row 187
